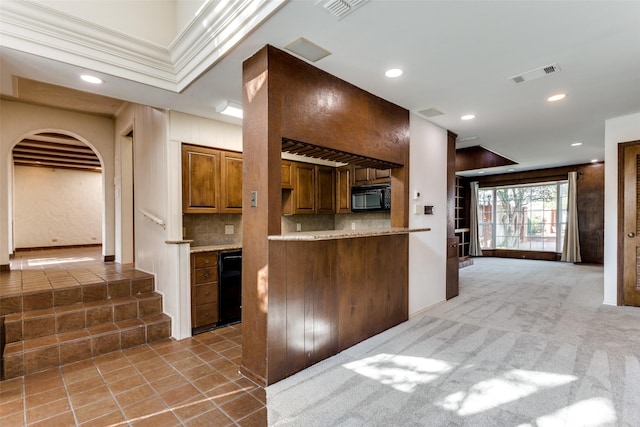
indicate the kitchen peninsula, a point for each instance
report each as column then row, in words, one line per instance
column 308, row 295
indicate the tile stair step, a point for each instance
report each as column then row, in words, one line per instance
column 51, row 298
column 42, row 323
column 38, row 354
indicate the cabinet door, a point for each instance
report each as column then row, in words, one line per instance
column 231, row 182
column 360, row 176
column 200, row 176
column 304, row 188
column 287, row 174
column 325, row 190
column 382, row 173
column 343, row 189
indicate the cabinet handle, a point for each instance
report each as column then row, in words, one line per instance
column 206, row 260
column 206, row 314
column 632, row 234
column 207, row 293
column 206, row 275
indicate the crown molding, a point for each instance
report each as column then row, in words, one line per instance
column 39, row 30
column 214, row 32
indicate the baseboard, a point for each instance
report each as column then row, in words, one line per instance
column 109, row 258
column 42, row 248
column 5, row 267
column 422, row 310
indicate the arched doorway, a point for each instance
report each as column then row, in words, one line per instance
column 58, row 192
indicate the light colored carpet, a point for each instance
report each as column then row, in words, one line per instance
column 527, row 343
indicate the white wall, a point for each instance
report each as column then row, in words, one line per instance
column 202, row 131
column 427, row 250
column 57, row 207
column 620, row 129
column 20, row 120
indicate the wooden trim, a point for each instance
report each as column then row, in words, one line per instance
column 620, row 228
column 42, row 248
column 519, row 254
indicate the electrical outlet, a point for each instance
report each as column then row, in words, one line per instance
column 298, row 227
column 253, row 196
column 353, row 225
column 228, row 229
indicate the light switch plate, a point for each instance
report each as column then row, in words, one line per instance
column 254, row 198
column 228, row 229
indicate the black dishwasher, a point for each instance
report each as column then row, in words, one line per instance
column 230, row 287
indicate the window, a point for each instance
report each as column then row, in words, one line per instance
column 523, row 217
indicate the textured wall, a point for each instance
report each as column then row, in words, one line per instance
column 57, row 207
column 209, row 229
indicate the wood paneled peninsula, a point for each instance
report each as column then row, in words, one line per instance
column 305, row 300
column 332, row 290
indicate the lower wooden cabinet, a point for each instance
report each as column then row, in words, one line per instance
column 204, row 290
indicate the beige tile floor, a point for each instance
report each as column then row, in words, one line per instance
column 192, row 382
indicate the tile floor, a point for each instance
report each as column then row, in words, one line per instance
column 51, row 269
column 192, row 382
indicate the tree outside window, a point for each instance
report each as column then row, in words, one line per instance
column 527, row 217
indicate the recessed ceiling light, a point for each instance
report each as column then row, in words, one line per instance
column 556, row 97
column 481, row 172
column 393, row 72
column 511, row 170
column 91, row 79
column 575, row 144
column 594, row 160
column 468, row 117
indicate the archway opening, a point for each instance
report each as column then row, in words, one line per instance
column 57, row 193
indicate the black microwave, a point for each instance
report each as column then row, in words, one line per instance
column 371, row 198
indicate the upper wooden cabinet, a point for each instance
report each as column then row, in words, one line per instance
column 200, row 179
column 231, row 182
column 304, row 187
column 366, row 176
column 325, row 190
column 211, row 180
column 287, row 174
column 343, row 189
column 312, row 189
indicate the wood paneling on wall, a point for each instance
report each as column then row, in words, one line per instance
column 590, row 204
column 284, row 97
column 330, row 295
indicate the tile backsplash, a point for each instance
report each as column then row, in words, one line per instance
column 209, row 229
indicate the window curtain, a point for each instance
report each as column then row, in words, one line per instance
column 474, row 235
column 571, row 249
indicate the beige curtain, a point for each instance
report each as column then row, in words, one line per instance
column 474, row 235
column 571, row 249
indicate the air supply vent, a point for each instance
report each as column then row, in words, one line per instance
column 431, row 112
column 341, row 8
column 536, row 74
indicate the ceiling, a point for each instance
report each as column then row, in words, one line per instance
column 458, row 57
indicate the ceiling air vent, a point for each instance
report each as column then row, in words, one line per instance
column 536, row 74
column 341, row 8
column 431, row 112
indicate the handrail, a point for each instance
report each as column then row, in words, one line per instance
column 153, row 218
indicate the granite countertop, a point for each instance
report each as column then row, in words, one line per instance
column 227, row 247
column 344, row 234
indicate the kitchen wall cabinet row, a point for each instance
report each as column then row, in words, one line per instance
column 211, row 180
column 212, row 183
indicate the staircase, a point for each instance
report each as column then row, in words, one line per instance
column 46, row 329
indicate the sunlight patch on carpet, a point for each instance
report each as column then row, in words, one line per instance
column 509, row 387
column 403, row 373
